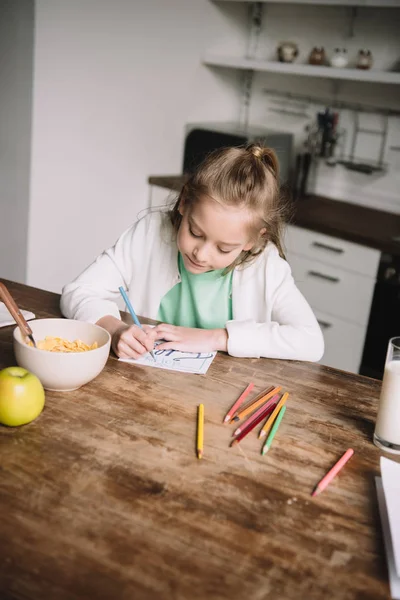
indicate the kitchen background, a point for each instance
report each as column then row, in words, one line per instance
column 95, row 97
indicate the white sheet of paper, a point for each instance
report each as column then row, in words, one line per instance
column 390, row 471
column 174, row 360
column 7, row 319
column 394, row 580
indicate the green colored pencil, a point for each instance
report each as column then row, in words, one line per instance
column 273, row 431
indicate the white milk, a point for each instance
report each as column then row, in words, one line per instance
column 388, row 421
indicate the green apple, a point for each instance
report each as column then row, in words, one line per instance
column 21, row 396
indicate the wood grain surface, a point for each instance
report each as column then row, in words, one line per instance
column 360, row 224
column 103, row 496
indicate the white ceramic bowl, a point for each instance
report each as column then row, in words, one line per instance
column 63, row 371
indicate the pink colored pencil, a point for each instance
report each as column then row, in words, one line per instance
column 238, row 402
column 273, row 401
column 325, row 481
column 252, row 425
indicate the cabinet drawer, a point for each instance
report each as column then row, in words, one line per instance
column 332, row 251
column 332, row 290
column 344, row 342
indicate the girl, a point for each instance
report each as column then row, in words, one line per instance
column 212, row 270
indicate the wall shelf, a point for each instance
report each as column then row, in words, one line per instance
column 348, row 3
column 359, row 75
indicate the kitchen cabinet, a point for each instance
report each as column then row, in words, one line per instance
column 344, row 342
column 337, row 278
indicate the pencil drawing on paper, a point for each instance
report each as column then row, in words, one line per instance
column 174, row 360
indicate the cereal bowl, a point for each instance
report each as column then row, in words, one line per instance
column 63, row 371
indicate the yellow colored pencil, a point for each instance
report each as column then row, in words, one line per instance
column 268, row 424
column 200, row 430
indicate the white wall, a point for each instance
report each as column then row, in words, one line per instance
column 16, row 43
column 115, row 82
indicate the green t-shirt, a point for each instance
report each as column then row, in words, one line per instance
column 203, row 300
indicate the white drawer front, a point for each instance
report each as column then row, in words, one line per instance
column 332, row 290
column 344, row 342
column 332, row 251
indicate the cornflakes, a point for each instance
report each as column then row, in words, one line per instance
column 56, row 344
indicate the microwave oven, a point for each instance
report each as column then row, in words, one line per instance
column 203, row 138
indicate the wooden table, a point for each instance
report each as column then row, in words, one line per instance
column 103, row 497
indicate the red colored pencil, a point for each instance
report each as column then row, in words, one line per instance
column 272, row 401
column 238, row 402
column 254, row 424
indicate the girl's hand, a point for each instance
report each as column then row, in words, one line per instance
column 129, row 341
column 190, row 339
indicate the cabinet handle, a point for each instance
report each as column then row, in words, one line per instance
column 323, row 276
column 326, row 247
column 324, row 324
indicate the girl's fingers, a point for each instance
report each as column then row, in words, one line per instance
column 150, row 331
column 137, row 339
column 170, row 335
column 148, row 343
column 165, row 328
column 135, row 333
column 152, row 334
column 133, row 344
column 125, row 351
column 170, row 338
column 147, row 336
column 147, row 340
column 169, row 346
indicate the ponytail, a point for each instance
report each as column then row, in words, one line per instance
column 267, row 156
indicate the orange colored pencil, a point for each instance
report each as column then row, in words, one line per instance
column 251, row 402
column 272, row 417
column 261, row 398
column 238, row 402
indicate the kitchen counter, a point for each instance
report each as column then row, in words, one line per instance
column 358, row 224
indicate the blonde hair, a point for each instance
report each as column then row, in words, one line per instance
column 245, row 177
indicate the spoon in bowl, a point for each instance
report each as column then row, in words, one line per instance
column 16, row 313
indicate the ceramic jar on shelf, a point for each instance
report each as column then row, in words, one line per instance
column 339, row 58
column 364, row 59
column 317, row 56
column 287, row 52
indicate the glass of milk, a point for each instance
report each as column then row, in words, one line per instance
column 387, row 429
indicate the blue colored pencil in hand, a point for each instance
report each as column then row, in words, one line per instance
column 133, row 314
